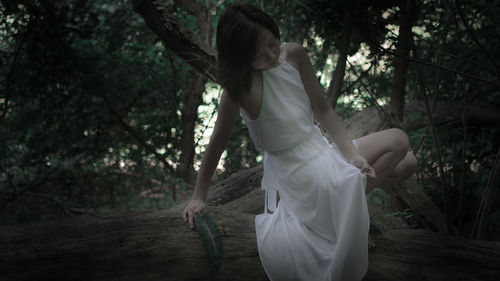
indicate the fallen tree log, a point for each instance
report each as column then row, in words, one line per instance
column 241, row 192
column 417, row 254
column 406, row 196
column 157, row 245
column 150, row 245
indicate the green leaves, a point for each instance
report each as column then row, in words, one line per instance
column 211, row 238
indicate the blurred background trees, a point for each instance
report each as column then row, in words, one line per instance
column 98, row 115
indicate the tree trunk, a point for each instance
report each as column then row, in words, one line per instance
column 488, row 199
column 193, row 97
column 333, row 92
column 480, row 114
column 193, row 93
column 415, row 254
column 178, row 39
column 323, row 56
column 157, row 245
column 406, row 19
column 148, row 245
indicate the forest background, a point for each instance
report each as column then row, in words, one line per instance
column 98, row 115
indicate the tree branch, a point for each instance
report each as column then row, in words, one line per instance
column 181, row 41
column 370, row 93
column 11, row 73
column 333, row 92
column 418, row 61
column 136, row 136
column 444, row 186
column 481, row 115
column 487, row 200
column 476, row 40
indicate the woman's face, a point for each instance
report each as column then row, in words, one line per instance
column 268, row 51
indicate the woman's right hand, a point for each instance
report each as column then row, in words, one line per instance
column 195, row 206
column 361, row 163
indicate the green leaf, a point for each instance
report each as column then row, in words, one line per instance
column 211, row 238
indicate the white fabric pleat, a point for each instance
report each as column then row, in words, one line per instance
column 319, row 228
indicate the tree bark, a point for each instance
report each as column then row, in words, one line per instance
column 148, row 245
column 157, row 245
column 193, row 97
column 180, row 40
column 415, row 254
column 406, row 19
column 488, row 199
column 193, row 94
column 333, row 92
column 480, row 115
column 195, row 51
column 406, row 196
column 323, row 56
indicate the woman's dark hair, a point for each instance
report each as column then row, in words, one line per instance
column 237, row 33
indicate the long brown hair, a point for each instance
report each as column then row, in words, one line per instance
column 237, row 33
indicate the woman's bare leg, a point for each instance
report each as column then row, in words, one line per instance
column 387, row 152
column 404, row 170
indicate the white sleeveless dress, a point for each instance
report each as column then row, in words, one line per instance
column 319, row 229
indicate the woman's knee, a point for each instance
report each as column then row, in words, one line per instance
column 411, row 163
column 407, row 167
column 399, row 140
column 373, row 146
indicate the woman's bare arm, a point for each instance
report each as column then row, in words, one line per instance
column 324, row 113
column 228, row 110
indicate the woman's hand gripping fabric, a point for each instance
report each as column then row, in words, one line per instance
column 361, row 163
column 195, row 206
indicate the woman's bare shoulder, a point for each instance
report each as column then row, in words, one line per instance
column 292, row 48
column 292, row 53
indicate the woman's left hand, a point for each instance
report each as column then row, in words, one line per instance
column 361, row 163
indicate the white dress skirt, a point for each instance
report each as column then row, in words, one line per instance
column 319, row 229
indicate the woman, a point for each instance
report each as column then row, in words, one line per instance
column 319, row 229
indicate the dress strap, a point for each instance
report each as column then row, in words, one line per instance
column 270, row 189
column 265, row 202
column 270, row 200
